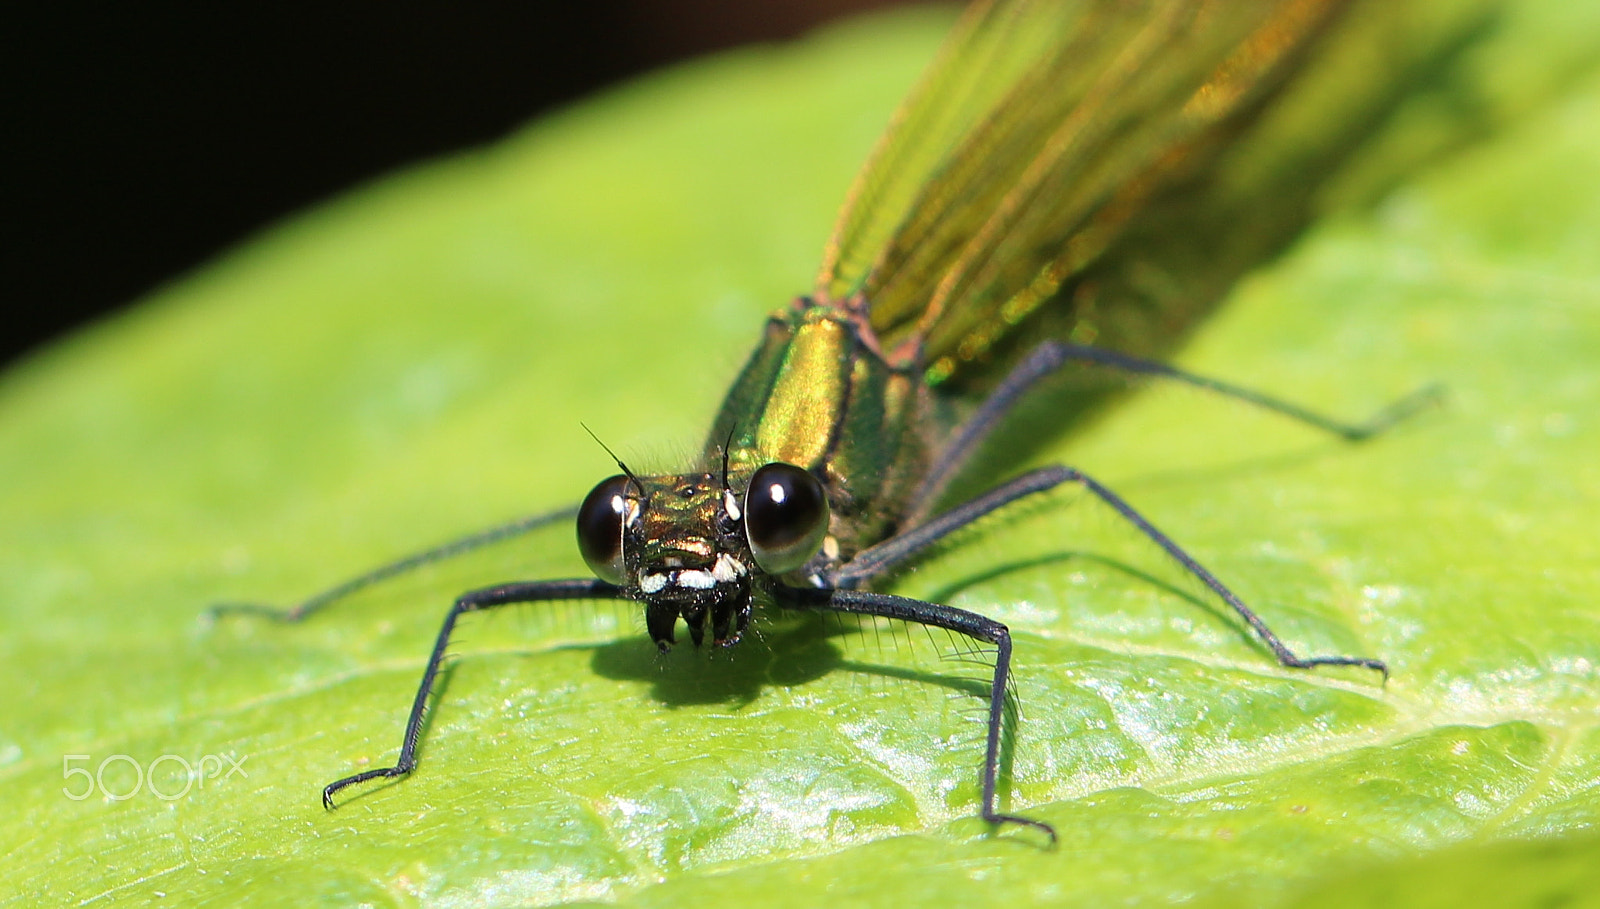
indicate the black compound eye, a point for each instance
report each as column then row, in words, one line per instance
column 600, row 519
column 785, row 517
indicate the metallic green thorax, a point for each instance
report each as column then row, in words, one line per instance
column 818, row 394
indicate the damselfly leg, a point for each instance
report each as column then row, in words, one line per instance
column 971, row 624
column 1051, row 356
column 447, row 550
column 472, row 601
column 1046, row 359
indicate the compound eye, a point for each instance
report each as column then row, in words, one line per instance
column 785, row 517
column 600, row 520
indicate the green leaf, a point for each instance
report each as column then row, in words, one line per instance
column 412, row 362
column 1511, row 875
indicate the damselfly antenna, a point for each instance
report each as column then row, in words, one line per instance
column 613, row 455
column 727, row 444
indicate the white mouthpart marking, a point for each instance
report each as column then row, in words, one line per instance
column 696, row 578
column 830, row 547
column 652, row 583
column 727, row 568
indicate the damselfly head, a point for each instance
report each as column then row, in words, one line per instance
column 694, row 546
column 672, row 542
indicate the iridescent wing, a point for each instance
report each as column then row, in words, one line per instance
column 1041, row 129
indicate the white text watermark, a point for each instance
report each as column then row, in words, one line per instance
column 169, row 777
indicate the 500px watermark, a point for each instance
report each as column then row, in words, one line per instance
column 120, row 777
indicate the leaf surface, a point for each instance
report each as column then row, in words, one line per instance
column 411, row 362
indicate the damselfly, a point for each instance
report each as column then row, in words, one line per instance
column 976, row 255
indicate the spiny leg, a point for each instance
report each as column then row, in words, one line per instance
column 977, row 627
column 884, row 556
column 472, row 601
column 1052, row 355
column 322, row 600
column 875, row 560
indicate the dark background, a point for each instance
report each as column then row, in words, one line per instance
column 143, row 138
